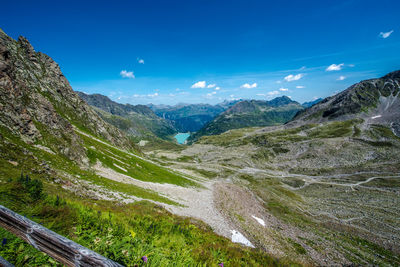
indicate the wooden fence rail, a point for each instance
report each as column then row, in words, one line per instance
column 4, row 263
column 56, row 246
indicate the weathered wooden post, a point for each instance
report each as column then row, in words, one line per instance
column 56, row 246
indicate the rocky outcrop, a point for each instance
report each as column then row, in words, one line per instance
column 375, row 100
column 38, row 105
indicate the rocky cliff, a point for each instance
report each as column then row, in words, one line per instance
column 375, row 100
column 38, row 105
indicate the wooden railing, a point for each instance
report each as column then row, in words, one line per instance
column 4, row 263
column 56, row 246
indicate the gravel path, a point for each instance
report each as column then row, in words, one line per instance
column 198, row 202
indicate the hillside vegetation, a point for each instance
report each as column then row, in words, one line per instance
column 135, row 120
column 251, row 113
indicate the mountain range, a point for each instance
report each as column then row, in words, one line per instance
column 311, row 184
column 191, row 117
column 135, row 120
column 251, row 113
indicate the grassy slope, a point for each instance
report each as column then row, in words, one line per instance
column 135, row 167
column 123, row 233
column 30, row 158
column 289, row 206
column 258, row 115
column 105, row 226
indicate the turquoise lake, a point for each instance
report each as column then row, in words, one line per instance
column 181, row 137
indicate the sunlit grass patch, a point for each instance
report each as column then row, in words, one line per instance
column 131, row 165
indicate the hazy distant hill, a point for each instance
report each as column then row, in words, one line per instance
column 311, row 103
column 137, row 120
column 190, row 117
column 251, row 113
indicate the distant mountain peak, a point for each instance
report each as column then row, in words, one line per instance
column 281, row 101
column 251, row 113
column 312, row 103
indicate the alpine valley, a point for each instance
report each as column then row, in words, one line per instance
column 260, row 182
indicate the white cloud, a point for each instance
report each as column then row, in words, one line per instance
column 335, row 67
column 278, row 81
column 291, row 77
column 140, row 61
column 127, row 74
column 248, row 86
column 283, row 89
column 145, row 96
column 341, row 78
column 152, row 95
column 217, row 88
column 211, row 85
column 212, row 93
column 261, row 94
column 273, row 93
column 351, row 65
column 201, row 84
column 300, row 87
column 385, row 35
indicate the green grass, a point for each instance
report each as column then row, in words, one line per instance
column 135, row 167
column 205, row 173
column 333, row 130
column 166, row 239
column 299, row 248
column 29, row 159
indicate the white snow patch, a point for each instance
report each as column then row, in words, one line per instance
column 375, row 117
column 239, row 238
column 259, row 220
column 143, row 142
column 45, row 148
column 119, row 167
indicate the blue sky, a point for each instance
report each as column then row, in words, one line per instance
column 208, row 51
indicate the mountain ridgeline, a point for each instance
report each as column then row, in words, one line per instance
column 311, row 103
column 135, row 120
column 375, row 100
column 324, row 178
column 191, row 117
column 39, row 106
column 251, row 113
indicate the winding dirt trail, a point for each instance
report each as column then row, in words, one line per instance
column 197, row 202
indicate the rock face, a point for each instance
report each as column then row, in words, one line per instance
column 251, row 113
column 376, row 101
column 136, row 120
column 38, row 105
